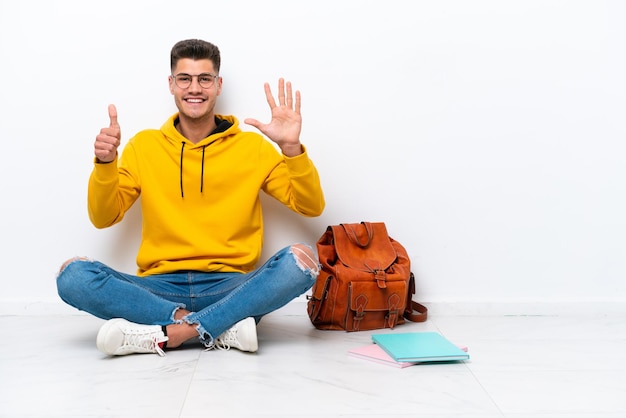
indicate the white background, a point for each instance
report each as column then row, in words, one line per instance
column 489, row 136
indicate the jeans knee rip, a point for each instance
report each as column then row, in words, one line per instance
column 305, row 259
column 72, row 260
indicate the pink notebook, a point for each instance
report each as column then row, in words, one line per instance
column 374, row 353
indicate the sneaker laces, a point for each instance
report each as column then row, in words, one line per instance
column 142, row 340
column 225, row 341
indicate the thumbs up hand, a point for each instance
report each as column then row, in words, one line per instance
column 107, row 141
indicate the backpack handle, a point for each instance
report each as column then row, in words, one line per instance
column 355, row 239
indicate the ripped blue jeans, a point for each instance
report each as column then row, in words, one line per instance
column 217, row 301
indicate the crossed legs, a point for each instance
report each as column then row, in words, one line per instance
column 95, row 288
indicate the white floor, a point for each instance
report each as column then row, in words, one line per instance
column 521, row 366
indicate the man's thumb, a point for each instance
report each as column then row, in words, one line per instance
column 113, row 116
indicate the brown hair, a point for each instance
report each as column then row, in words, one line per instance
column 196, row 49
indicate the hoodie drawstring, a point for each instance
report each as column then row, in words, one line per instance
column 202, row 171
column 182, row 149
column 181, row 171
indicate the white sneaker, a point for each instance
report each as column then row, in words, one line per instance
column 241, row 336
column 118, row 337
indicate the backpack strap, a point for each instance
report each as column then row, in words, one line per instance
column 417, row 312
column 414, row 312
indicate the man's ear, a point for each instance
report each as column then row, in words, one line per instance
column 170, row 80
column 219, row 85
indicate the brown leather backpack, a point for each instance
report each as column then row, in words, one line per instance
column 365, row 281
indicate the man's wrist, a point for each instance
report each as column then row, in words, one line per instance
column 99, row 161
column 292, row 150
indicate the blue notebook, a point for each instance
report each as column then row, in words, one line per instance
column 419, row 347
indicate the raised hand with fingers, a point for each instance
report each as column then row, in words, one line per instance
column 286, row 124
column 108, row 139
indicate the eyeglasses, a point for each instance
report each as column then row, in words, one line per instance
column 183, row 81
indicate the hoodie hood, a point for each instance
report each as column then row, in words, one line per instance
column 225, row 127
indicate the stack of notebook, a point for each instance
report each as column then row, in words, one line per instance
column 406, row 349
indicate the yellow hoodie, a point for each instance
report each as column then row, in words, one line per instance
column 200, row 202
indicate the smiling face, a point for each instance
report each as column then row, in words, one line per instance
column 195, row 103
